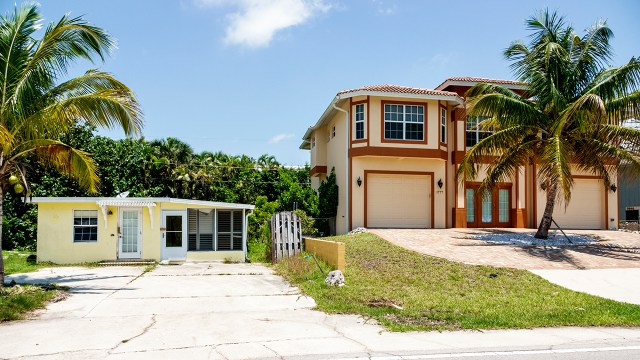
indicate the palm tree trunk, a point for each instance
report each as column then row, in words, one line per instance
column 1, row 256
column 545, row 223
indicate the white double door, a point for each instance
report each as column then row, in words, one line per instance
column 130, row 233
column 174, row 235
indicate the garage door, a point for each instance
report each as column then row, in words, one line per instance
column 586, row 208
column 398, row 201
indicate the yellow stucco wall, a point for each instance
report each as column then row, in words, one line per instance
column 330, row 251
column 375, row 122
column 231, row 256
column 55, row 235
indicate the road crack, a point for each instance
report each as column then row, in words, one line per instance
column 144, row 331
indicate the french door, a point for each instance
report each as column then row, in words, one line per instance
column 491, row 209
column 130, row 233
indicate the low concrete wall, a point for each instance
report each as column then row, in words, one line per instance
column 330, row 251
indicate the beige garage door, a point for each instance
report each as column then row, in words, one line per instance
column 586, row 208
column 398, row 201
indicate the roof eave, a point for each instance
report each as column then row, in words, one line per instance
column 37, row 200
column 448, row 83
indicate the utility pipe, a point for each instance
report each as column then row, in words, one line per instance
column 245, row 243
column 348, row 180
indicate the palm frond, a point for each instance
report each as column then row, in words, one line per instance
column 615, row 83
column 75, row 163
column 95, row 97
column 495, row 145
column 62, row 43
column 624, row 108
column 583, row 114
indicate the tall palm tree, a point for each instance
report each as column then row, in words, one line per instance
column 36, row 107
column 569, row 117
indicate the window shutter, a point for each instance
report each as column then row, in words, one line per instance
column 205, row 226
column 237, row 230
column 192, row 228
column 224, row 230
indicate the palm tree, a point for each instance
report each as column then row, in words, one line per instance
column 569, row 117
column 37, row 108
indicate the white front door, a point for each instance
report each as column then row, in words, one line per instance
column 130, row 234
column 174, row 235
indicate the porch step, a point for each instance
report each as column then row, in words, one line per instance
column 126, row 262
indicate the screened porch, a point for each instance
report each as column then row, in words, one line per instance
column 215, row 229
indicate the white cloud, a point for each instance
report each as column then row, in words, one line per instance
column 279, row 138
column 254, row 23
column 385, row 9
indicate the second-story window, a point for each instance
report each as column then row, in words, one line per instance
column 474, row 133
column 313, row 142
column 403, row 122
column 443, row 125
column 359, row 121
column 333, row 132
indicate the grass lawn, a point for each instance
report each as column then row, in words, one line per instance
column 15, row 262
column 404, row 290
column 19, row 300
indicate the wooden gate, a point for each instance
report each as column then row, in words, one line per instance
column 286, row 236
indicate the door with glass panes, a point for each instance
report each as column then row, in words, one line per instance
column 174, row 235
column 491, row 210
column 130, row 233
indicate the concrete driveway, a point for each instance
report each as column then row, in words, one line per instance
column 239, row 311
column 609, row 269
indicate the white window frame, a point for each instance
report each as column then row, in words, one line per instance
column 475, row 131
column 404, row 122
column 443, row 125
column 73, row 226
column 359, row 120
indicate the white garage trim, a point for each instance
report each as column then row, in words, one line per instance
column 416, row 173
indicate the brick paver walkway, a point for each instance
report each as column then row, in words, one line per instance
column 616, row 249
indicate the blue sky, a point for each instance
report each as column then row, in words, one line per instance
column 249, row 76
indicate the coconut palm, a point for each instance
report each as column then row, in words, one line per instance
column 569, row 117
column 37, row 107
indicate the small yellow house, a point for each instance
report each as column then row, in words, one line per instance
column 89, row 229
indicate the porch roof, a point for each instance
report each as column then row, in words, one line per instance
column 139, row 202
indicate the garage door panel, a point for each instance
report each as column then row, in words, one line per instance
column 586, row 208
column 401, row 201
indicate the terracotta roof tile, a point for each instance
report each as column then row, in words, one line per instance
column 398, row 89
column 483, row 80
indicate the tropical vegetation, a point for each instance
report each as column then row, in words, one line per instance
column 167, row 167
column 39, row 104
column 567, row 120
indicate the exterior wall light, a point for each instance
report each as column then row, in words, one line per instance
column 359, row 181
column 613, row 187
column 440, row 183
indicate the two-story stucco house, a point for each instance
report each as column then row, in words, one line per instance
column 395, row 152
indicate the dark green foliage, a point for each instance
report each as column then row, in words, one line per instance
column 170, row 168
column 328, row 194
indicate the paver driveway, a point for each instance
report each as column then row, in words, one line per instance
column 616, row 249
column 235, row 311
